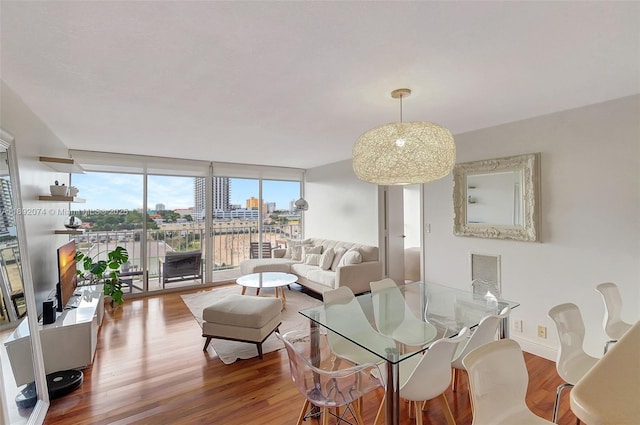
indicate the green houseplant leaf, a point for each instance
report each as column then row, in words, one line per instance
column 106, row 272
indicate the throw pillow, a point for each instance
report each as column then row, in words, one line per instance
column 310, row 249
column 352, row 256
column 327, row 259
column 296, row 253
column 338, row 253
column 312, row 259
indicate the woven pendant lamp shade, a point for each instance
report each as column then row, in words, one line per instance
column 404, row 153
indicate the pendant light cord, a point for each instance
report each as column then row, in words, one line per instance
column 401, row 108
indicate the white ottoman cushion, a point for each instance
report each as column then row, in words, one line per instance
column 243, row 317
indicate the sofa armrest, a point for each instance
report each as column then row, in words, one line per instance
column 358, row 276
column 278, row 252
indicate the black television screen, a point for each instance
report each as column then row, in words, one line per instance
column 67, row 279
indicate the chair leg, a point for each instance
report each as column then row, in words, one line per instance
column 454, row 380
column 380, row 413
column 325, row 416
column 418, row 412
column 357, row 412
column 259, row 345
column 557, row 403
column 447, row 410
column 303, row 412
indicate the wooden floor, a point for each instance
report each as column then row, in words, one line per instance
column 150, row 369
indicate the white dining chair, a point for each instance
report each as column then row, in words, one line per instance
column 343, row 310
column 498, row 380
column 485, row 332
column 572, row 361
column 427, row 376
column 394, row 317
column 613, row 324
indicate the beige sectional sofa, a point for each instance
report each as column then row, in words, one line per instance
column 353, row 265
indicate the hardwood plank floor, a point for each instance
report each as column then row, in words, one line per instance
column 150, row 369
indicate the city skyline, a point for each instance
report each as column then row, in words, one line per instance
column 104, row 191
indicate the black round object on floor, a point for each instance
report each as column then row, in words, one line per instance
column 27, row 398
column 60, row 383
column 63, row 382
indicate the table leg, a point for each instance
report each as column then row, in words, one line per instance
column 244, row 289
column 392, row 408
column 503, row 328
column 314, row 332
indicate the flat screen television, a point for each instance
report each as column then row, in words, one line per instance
column 67, row 278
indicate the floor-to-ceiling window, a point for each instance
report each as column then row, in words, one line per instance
column 155, row 207
column 252, row 206
column 172, row 228
column 281, row 221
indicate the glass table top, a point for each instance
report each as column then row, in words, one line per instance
column 395, row 312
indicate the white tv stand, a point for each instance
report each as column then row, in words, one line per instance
column 68, row 343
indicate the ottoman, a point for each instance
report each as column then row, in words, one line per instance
column 244, row 318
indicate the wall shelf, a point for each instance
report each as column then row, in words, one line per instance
column 68, row 232
column 63, row 165
column 60, row 198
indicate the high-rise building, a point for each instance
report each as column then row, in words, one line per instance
column 252, row 203
column 221, row 195
column 160, row 207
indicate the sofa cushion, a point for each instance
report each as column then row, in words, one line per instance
column 339, row 252
column 312, row 259
column 315, row 273
column 369, row 253
column 352, row 256
column 311, row 249
column 323, row 277
column 326, row 259
column 296, row 252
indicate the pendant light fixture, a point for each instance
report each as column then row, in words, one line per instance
column 301, row 205
column 404, row 152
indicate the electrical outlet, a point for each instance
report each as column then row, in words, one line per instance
column 517, row 325
column 542, row 331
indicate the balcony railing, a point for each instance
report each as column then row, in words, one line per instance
column 231, row 245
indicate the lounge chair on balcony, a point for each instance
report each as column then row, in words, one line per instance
column 180, row 266
column 255, row 248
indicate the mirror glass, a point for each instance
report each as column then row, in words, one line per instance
column 17, row 401
column 497, row 198
column 13, row 305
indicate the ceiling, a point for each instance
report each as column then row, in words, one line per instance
column 295, row 83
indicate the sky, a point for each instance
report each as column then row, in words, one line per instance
column 124, row 191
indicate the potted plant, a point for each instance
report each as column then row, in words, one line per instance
column 106, row 272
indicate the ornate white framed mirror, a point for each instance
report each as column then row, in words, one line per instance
column 498, row 198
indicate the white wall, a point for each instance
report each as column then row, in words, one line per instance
column 341, row 207
column 590, row 186
column 32, row 140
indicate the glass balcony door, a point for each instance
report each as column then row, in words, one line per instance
column 175, row 241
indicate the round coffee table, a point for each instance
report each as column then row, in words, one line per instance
column 276, row 280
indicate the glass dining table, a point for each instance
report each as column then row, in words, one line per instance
column 448, row 309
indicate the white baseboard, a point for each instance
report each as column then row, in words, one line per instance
column 536, row 348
